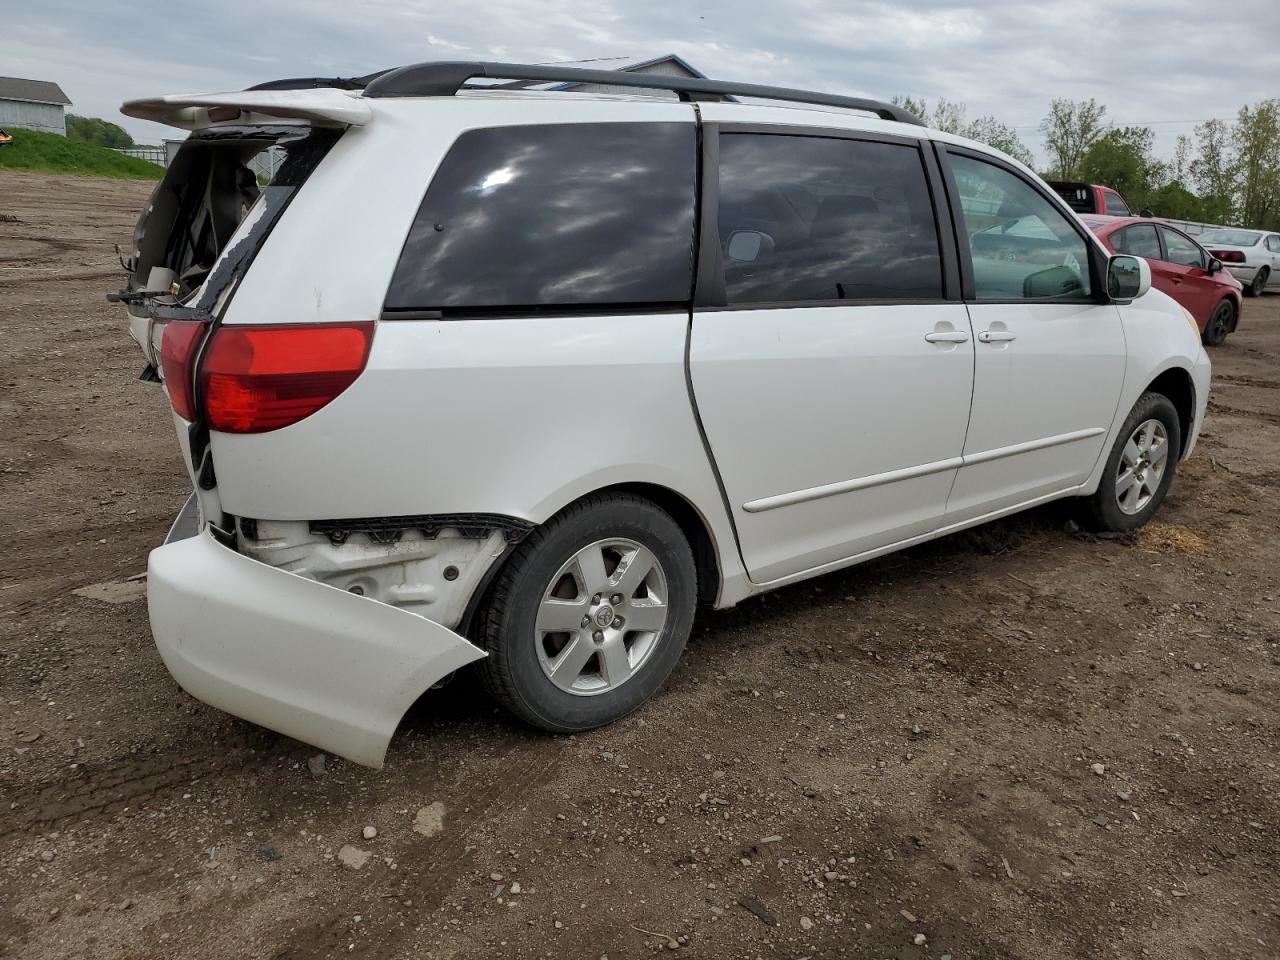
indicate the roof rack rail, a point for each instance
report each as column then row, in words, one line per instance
column 445, row 78
column 316, row 83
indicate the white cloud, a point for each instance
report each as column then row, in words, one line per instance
column 1147, row 60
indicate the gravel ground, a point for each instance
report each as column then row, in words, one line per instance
column 1020, row 742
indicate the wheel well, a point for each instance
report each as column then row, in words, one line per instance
column 1177, row 386
column 694, row 528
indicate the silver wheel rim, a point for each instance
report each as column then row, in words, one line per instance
column 1142, row 465
column 601, row 617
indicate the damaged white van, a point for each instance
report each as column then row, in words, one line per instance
column 471, row 368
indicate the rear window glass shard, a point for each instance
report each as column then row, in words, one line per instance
column 563, row 215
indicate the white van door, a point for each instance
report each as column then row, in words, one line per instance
column 1050, row 357
column 833, row 381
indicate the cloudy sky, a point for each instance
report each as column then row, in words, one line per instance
column 1168, row 63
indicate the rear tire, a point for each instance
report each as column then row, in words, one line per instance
column 587, row 619
column 1139, row 468
column 1221, row 322
column 1259, row 284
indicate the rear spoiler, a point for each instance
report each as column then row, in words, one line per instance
column 191, row 111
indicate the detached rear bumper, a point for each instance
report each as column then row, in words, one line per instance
column 305, row 659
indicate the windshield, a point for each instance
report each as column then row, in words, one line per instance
column 1236, row 238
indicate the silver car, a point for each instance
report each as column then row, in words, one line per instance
column 1252, row 256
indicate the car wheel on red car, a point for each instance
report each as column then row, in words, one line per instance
column 1220, row 324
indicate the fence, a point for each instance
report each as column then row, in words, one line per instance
column 1193, row 227
column 264, row 165
column 154, row 154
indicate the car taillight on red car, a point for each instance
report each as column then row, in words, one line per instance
column 178, row 347
column 1228, row 256
column 259, row 378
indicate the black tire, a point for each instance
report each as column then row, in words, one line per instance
column 513, row 674
column 1102, row 511
column 1221, row 322
column 1259, row 283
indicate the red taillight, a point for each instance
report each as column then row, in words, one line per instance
column 255, row 379
column 1228, row 256
column 178, row 346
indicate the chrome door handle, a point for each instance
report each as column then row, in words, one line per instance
column 996, row 336
column 947, row 336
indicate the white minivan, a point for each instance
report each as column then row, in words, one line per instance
column 490, row 371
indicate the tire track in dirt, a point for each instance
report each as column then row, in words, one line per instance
column 1264, row 415
column 426, row 877
column 120, row 782
column 1243, row 381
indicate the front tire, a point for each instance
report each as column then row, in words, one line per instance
column 587, row 619
column 1221, row 321
column 1139, row 469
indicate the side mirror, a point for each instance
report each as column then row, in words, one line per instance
column 748, row 246
column 1214, row 265
column 1145, row 213
column 1128, row 278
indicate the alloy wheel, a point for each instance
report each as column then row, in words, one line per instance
column 601, row 616
column 1220, row 322
column 1142, row 464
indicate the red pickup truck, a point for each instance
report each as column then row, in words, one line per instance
column 1091, row 198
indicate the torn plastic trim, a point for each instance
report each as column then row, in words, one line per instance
column 390, row 529
column 319, row 664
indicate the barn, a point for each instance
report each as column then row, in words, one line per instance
column 33, row 105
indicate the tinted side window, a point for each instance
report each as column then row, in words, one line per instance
column 1023, row 247
column 1115, row 206
column 1139, row 240
column 544, row 216
column 1273, row 243
column 821, row 219
column 1180, row 249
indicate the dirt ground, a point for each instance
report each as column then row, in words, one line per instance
column 1022, row 742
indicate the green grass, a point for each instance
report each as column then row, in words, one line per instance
column 50, row 153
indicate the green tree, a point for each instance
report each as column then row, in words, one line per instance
column 1181, row 169
column 917, row 108
column 1213, row 171
column 1255, row 147
column 949, row 117
column 1122, row 159
column 97, row 131
column 1175, row 201
column 987, row 129
column 1069, row 129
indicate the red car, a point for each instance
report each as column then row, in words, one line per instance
column 1091, row 198
column 1180, row 267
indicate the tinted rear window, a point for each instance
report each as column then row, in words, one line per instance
column 571, row 215
column 1140, row 240
column 817, row 219
column 1234, row 238
column 1116, row 206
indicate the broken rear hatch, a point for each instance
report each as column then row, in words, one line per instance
column 247, row 155
column 222, row 193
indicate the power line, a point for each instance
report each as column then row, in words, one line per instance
column 1134, row 123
